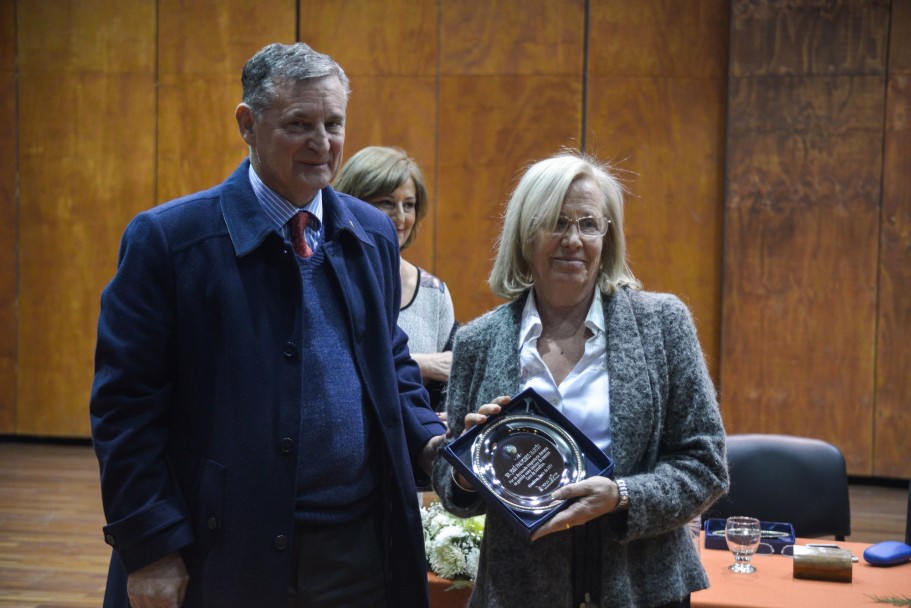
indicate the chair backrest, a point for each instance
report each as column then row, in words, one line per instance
column 797, row 480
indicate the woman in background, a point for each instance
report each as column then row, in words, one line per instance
column 390, row 180
column 626, row 367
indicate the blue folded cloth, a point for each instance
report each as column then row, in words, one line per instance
column 888, row 553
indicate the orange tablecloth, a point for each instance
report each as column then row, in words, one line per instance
column 773, row 584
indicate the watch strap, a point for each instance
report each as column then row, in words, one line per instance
column 623, row 505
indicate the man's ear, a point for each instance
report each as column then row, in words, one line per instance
column 245, row 120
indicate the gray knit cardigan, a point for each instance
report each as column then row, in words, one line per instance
column 667, row 442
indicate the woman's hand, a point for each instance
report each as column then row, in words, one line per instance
column 595, row 496
column 488, row 409
column 474, row 419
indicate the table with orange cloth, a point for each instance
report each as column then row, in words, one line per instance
column 773, row 584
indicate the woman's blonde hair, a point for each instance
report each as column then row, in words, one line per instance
column 534, row 207
column 377, row 171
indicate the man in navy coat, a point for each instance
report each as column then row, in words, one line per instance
column 259, row 423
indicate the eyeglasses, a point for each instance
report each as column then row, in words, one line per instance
column 589, row 226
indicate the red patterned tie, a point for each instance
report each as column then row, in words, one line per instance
column 298, row 225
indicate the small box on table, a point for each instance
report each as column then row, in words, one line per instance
column 823, row 563
column 519, row 457
column 776, row 535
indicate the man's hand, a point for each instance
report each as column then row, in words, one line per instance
column 161, row 584
column 429, row 453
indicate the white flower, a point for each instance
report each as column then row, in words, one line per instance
column 452, row 543
column 471, row 561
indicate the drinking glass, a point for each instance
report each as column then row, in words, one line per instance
column 742, row 535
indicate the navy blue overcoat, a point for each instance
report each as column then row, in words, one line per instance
column 195, row 407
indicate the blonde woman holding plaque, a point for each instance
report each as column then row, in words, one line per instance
column 625, row 366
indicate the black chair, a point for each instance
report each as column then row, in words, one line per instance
column 782, row 478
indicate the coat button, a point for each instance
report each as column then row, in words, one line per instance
column 289, row 351
column 212, row 523
column 281, row 542
column 285, row 445
column 109, row 539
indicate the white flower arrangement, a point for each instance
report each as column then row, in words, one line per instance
column 452, row 544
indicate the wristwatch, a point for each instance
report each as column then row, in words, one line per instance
column 623, row 505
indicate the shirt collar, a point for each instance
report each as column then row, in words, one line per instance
column 595, row 318
column 530, row 327
column 278, row 208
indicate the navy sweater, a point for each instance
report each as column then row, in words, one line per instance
column 337, row 472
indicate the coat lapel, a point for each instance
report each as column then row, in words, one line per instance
column 631, row 399
column 247, row 223
column 504, row 341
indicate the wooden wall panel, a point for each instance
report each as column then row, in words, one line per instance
column 400, row 111
column 392, row 65
column 659, row 38
column 802, row 37
column 513, row 121
column 893, row 356
column 510, row 93
column 656, row 109
column 369, row 38
column 203, row 47
column 9, row 281
column 511, row 37
column 86, row 111
column 475, row 91
column 804, row 160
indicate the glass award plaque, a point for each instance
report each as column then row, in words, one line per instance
column 524, row 454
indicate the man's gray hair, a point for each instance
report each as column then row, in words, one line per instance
column 277, row 63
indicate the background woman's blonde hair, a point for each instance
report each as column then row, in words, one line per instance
column 535, row 205
column 376, row 171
